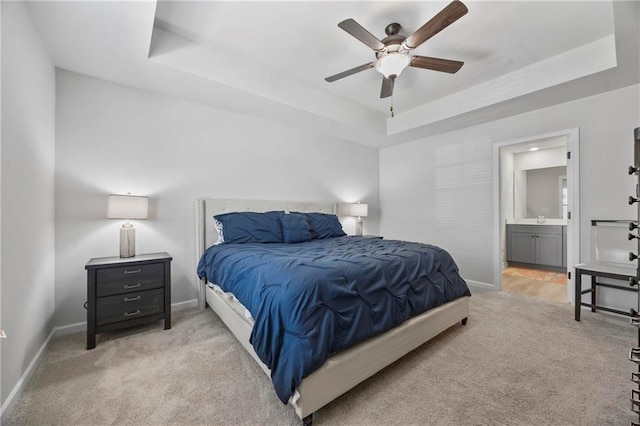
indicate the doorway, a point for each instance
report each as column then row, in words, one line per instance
column 537, row 215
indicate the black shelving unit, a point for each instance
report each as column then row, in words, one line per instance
column 634, row 353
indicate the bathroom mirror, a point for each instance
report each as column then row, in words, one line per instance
column 540, row 192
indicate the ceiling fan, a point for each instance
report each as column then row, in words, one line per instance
column 393, row 52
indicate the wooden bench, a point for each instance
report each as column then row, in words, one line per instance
column 616, row 271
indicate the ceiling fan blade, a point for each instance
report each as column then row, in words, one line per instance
column 387, row 87
column 447, row 16
column 436, row 64
column 347, row 73
column 359, row 32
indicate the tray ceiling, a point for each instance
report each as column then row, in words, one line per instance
column 269, row 59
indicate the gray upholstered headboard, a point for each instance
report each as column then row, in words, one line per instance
column 206, row 208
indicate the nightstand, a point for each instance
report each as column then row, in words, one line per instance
column 124, row 292
column 375, row 237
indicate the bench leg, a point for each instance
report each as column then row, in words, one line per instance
column 593, row 293
column 578, row 294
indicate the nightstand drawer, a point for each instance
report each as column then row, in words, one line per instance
column 128, row 306
column 126, row 279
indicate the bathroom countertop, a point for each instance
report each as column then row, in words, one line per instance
column 534, row 221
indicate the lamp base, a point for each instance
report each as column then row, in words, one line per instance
column 127, row 241
column 358, row 227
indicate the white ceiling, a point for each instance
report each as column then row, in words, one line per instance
column 269, row 59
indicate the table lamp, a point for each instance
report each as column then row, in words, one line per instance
column 359, row 210
column 127, row 207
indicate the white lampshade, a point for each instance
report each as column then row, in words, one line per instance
column 359, row 210
column 127, row 207
column 392, row 64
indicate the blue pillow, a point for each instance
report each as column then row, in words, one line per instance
column 295, row 228
column 251, row 227
column 324, row 225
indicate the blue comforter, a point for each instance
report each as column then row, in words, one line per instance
column 312, row 299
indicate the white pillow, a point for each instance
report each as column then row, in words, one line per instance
column 220, row 232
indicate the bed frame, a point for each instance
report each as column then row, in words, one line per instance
column 345, row 369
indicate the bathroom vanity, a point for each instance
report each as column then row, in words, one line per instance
column 537, row 245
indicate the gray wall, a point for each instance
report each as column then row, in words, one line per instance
column 27, row 194
column 115, row 139
column 440, row 189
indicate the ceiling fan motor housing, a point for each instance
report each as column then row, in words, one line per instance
column 392, row 43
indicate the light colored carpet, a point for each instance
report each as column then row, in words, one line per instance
column 519, row 361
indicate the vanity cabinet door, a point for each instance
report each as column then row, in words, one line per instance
column 549, row 249
column 522, row 247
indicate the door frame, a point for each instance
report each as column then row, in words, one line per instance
column 573, row 188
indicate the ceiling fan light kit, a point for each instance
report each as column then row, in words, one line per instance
column 392, row 64
column 393, row 53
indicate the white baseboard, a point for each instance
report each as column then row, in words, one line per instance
column 70, row 328
column 82, row 326
column 61, row 331
column 480, row 285
column 17, row 389
column 182, row 306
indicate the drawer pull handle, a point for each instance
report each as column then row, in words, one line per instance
column 131, row 299
column 130, row 314
column 137, row 271
column 136, row 285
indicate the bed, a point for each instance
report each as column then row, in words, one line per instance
column 349, row 365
